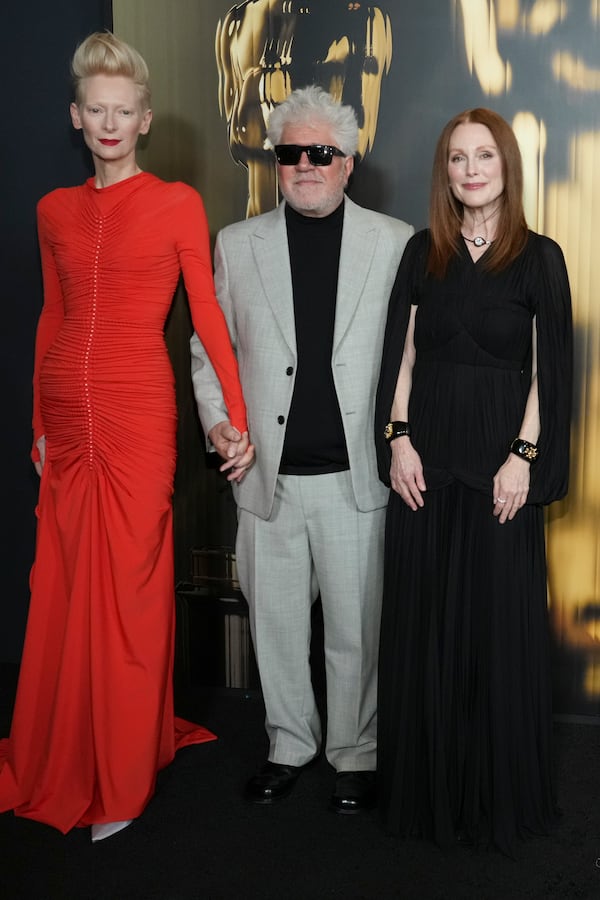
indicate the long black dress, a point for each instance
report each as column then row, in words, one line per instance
column 464, row 692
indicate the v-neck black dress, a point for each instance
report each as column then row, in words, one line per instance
column 464, row 690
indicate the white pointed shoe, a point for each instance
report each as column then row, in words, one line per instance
column 99, row 832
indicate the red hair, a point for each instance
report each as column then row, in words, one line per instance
column 446, row 212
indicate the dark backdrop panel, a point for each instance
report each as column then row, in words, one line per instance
column 38, row 153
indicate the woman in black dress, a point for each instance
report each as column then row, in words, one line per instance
column 473, row 437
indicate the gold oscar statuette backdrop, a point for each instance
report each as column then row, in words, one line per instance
column 406, row 66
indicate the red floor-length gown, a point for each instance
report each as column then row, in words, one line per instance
column 93, row 721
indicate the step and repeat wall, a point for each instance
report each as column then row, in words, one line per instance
column 406, row 66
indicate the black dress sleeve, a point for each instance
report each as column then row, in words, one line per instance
column 405, row 293
column 552, row 307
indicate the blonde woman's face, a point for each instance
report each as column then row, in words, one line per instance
column 110, row 116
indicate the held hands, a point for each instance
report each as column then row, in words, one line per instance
column 406, row 472
column 511, row 487
column 234, row 447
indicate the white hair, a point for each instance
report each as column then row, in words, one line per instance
column 312, row 104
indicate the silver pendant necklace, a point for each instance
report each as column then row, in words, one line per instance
column 478, row 241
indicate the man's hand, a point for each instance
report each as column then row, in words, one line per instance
column 234, row 447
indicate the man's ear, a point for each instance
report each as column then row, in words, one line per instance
column 349, row 167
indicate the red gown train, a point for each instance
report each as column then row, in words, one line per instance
column 93, row 720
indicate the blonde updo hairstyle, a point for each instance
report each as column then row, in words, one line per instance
column 101, row 53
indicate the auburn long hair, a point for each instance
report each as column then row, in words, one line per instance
column 446, row 212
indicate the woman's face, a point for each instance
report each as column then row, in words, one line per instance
column 110, row 116
column 475, row 167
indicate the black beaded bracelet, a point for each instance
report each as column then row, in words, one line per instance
column 524, row 449
column 396, row 429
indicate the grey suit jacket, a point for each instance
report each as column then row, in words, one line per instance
column 254, row 287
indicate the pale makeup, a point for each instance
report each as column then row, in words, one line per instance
column 111, row 118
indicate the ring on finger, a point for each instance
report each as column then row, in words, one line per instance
column 500, row 499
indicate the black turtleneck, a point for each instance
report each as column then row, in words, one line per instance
column 314, row 438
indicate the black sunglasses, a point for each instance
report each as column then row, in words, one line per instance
column 318, row 154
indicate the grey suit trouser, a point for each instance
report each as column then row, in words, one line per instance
column 315, row 541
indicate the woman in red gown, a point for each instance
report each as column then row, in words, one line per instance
column 93, row 721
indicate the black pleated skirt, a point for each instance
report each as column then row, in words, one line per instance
column 465, row 718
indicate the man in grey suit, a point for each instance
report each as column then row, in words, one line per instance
column 305, row 290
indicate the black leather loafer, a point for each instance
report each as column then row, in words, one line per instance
column 354, row 792
column 273, row 782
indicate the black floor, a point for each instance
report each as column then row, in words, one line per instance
column 199, row 839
